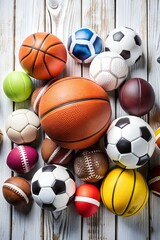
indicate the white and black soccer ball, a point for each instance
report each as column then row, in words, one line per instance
column 84, row 44
column 130, row 142
column 109, row 70
column 22, row 126
column 53, row 187
column 126, row 42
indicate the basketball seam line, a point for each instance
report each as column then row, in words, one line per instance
column 143, row 201
column 134, row 183
column 115, row 189
column 71, row 102
column 79, row 140
column 40, row 50
column 71, row 78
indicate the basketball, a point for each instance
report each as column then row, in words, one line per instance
column 42, row 55
column 154, row 180
column 124, row 192
column 137, row 97
column 75, row 112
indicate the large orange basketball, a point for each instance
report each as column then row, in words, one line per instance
column 75, row 112
column 42, row 55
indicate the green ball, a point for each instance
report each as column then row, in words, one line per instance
column 18, row 86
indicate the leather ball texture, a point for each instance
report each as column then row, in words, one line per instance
column 109, row 70
column 22, row 126
column 154, row 180
column 87, row 200
column 37, row 94
column 54, row 154
column 137, row 97
column 42, row 55
column 22, row 159
column 91, row 164
column 75, row 112
column 17, row 191
column 124, row 192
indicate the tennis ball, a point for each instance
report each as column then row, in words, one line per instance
column 17, row 86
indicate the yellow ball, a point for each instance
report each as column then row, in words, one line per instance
column 124, row 192
column 157, row 136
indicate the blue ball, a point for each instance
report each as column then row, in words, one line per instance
column 84, row 44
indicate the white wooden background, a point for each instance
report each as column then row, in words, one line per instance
column 20, row 18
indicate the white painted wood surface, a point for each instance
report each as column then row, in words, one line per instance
column 18, row 19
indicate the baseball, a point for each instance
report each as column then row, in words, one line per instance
column 22, row 159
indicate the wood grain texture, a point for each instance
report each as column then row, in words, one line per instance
column 153, row 75
column 62, row 18
column 99, row 16
column 6, row 65
column 29, row 18
column 128, row 14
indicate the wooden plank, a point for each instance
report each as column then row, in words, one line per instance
column 29, row 18
column 99, row 15
column 128, row 14
column 62, row 18
column 153, row 75
column 6, row 66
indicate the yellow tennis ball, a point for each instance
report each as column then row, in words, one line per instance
column 124, row 192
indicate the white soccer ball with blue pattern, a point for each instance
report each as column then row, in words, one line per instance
column 53, row 187
column 126, row 42
column 84, row 44
column 130, row 142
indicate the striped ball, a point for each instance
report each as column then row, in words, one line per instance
column 157, row 136
column 54, row 154
column 154, row 180
column 124, row 192
column 87, row 200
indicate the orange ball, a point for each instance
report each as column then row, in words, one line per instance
column 42, row 55
column 75, row 112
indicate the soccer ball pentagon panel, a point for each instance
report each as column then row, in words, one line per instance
column 84, row 44
column 109, row 70
column 22, row 126
column 53, row 187
column 130, row 142
column 126, row 42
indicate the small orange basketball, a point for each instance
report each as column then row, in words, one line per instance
column 75, row 112
column 42, row 55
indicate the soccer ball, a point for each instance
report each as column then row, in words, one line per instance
column 53, row 187
column 126, row 42
column 130, row 142
column 22, row 126
column 109, row 70
column 84, row 44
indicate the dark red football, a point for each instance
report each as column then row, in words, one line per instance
column 137, row 97
column 154, row 180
